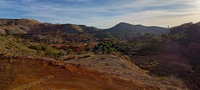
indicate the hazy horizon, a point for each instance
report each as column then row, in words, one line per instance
column 104, row 13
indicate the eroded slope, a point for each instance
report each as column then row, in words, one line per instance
column 43, row 74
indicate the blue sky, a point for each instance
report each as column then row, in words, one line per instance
column 104, row 13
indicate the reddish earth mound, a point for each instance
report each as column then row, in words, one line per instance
column 40, row 74
column 17, row 72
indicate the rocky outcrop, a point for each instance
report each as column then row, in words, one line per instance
column 2, row 31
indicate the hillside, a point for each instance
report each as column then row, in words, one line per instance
column 18, row 26
column 27, row 26
column 26, row 64
column 22, row 73
column 125, row 31
column 15, row 46
column 78, row 57
column 175, row 53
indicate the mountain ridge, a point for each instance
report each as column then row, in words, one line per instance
column 127, row 31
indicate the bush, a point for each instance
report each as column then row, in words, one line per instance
column 111, row 50
column 44, row 50
column 105, row 50
column 35, row 47
column 51, row 53
column 44, row 47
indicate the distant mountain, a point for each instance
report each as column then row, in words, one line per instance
column 125, row 31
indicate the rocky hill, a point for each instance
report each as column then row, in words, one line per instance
column 18, row 26
column 27, row 26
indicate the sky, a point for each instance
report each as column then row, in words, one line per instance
column 104, row 13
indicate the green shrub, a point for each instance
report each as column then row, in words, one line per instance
column 43, row 47
column 106, row 47
column 71, row 52
column 35, row 47
column 111, row 50
column 105, row 50
column 50, row 52
column 44, row 50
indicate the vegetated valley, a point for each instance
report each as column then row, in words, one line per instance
column 45, row 56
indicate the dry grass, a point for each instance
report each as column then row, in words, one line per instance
column 126, row 57
column 174, row 81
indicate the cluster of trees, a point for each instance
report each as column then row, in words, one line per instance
column 106, row 48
